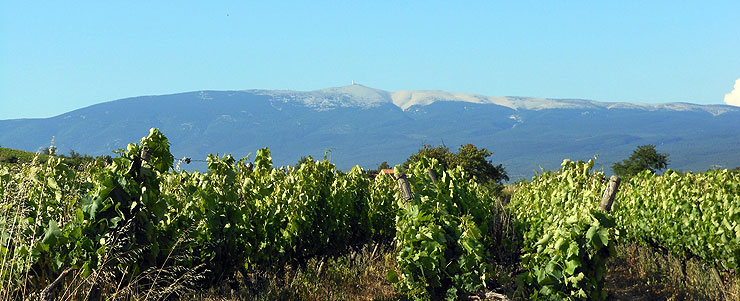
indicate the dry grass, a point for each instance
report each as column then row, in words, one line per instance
column 358, row 275
column 641, row 273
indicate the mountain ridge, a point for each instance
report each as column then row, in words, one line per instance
column 405, row 99
column 366, row 126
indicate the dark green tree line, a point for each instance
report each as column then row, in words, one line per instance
column 475, row 161
column 645, row 157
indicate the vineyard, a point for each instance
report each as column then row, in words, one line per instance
column 136, row 227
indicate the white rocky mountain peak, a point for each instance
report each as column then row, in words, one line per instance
column 357, row 95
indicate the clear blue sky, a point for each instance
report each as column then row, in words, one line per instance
column 57, row 56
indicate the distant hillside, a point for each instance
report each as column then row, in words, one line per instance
column 9, row 155
column 14, row 156
column 365, row 126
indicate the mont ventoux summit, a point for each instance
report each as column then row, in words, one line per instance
column 366, row 126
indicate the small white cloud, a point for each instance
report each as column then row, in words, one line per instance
column 733, row 98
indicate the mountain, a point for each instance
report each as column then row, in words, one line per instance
column 366, row 126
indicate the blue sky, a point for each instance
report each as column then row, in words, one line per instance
column 59, row 56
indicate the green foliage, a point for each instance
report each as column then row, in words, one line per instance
column 73, row 154
column 570, row 261
column 442, row 154
column 135, row 214
column 566, row 239
column 265, row 217
column 382, row 209
column 74, row 220
column 128, row 218
column 645, row 157
column 125, row 218
column 40, row 212
column 302, row 160
column 473, row 160
column 443, row 235
column 689, row 215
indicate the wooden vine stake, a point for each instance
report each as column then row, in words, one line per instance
column 610, row 193
column 432, row 175
column 47, row 294
column 146, row 153
column 403, row 185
